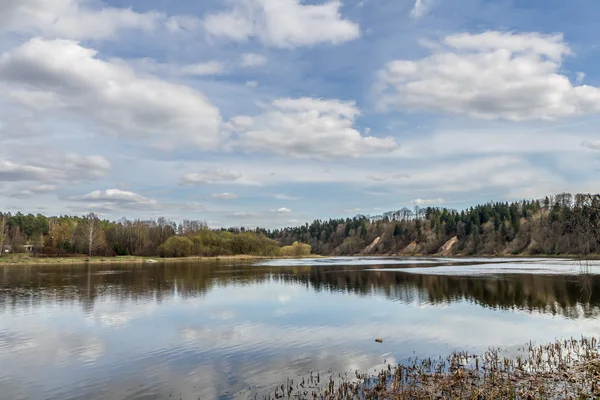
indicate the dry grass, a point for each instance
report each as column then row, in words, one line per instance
column 27, row 260
column 567, row 369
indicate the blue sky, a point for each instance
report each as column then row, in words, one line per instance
column 276, row 112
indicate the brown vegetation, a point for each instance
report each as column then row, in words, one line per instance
column 568, row 369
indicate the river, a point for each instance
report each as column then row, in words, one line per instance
column 235, row 330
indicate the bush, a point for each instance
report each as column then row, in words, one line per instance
column 176, row 246
column 210, row 244
column 295, row 250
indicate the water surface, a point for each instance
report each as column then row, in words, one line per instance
column 219, row 331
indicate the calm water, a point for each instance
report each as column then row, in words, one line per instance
column 219, row 331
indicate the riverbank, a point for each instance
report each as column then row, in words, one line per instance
column 24, row 260
column 567, row 369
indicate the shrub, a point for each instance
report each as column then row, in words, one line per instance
column 295, row 250
column 176, row 246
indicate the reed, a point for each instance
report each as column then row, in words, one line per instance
column 567, row 369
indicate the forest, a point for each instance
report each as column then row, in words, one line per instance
column 563, row 224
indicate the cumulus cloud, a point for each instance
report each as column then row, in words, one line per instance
column 211, row 176
column 72, row 19
column 224, row 196
column 492, row 75
column 71, row 78
column 308, row 127
column 283, row 23
column 283, row 210
column 63, row 168
column 253, row 60
column 422, row 202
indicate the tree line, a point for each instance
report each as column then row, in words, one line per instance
column 556, row 225
column 92, row 236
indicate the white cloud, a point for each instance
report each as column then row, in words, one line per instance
column 281, row 196
column 245, row 214
column 36, row 99
column 253, row 60
column 224, row 196
column 110, row 93
column 492, row 75
column 72, row 19
column 422, row 202
column 113, row 201
column 283, row 23
column 31, row 191
column 464, row 142
column 580, row 77
column 251, row 83
column 308, row 127
column 62, row 168
column 421, row 8
column 591, row 144
column 396, row 176
column 283, row 210
column 183, row 23
column 203, row 69
column 116, row 196
column 211, row 176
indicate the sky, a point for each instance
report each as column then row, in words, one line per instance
column 276, row 112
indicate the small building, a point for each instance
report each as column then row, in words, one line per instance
column 7, row 248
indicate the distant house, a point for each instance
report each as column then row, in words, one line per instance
column 7, row 248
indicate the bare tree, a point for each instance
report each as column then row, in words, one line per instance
column 90, row 233
column 3, row 233
column 16, row 240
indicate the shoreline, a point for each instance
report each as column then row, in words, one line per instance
column 27, row 260
column 24, row 260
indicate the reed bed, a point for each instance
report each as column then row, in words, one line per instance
column 567, row 369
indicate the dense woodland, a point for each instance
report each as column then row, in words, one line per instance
column 557, row 225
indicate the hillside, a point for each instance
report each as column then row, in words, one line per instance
column 557, row 225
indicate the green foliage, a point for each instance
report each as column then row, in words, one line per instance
column 176, row 246
column 562, row 224
column 297, row 249
column 208, row 243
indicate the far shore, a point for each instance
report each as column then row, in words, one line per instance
column 27, row 260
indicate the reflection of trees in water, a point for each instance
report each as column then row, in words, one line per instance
column 550, row 294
